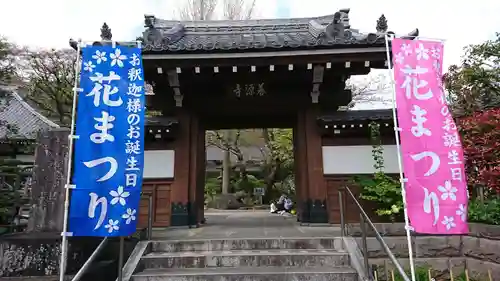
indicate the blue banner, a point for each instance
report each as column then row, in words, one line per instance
column 109, row 151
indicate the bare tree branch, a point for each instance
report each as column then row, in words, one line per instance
column 51, row 75
column 226, row 140
column 206, row 9
column 370, row 88
column 238, row 9
column 197, row 10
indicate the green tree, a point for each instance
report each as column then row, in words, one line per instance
column 279, row 165
column 229, row 141
column 7, row 68
column 7, row 72
column 12, row 174
column 474, row 85
column 474, row 97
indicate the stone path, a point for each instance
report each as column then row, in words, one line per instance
column 246, row 224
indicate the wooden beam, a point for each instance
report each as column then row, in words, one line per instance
column 355, row 68
column 173, row 81
column 318, row 74
column 246, row 62
column 264, row 54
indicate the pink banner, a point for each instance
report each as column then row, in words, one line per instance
column 436, row 187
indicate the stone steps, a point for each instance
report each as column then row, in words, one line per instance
column 254, row 258
column 249, row 274
column 172, row 246
column 266, row 259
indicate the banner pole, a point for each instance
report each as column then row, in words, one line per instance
column 400, row 163
column 120, row 258
column 71, row 138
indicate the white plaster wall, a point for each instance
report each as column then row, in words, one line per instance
column 357, row 159
column 159, row 164
column 25, row 158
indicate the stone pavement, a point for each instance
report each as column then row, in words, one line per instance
column 234, row 224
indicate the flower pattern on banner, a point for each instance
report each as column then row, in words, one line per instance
column 436, row 188
column 109, row 153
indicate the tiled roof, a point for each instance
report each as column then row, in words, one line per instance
column 27, row 121
column 327, row 32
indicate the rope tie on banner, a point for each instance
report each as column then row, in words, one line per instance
column 409, row 228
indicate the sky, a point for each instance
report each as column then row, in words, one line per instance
column 50, row 23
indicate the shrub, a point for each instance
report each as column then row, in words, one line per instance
column 481, row 142
column 380, row 188
column 484, row 212
column 213, row 186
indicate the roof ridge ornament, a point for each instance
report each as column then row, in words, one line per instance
column 340, row 26
column 382, row 24
column 149, row 21
column 106, row 34
column 158, row 37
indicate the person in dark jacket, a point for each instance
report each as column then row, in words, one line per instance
column 280, row 205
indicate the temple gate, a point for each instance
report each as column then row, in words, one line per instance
column 280, row 73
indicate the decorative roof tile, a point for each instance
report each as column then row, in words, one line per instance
column 19, row 114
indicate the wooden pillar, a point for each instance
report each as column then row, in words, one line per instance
column 200, row 184
column 300, row 159
column 196, row 165
column 316, row 185
column 180, row 191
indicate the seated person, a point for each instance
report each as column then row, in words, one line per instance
column 273, row 208
column 280, row 205
column 288, row 205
